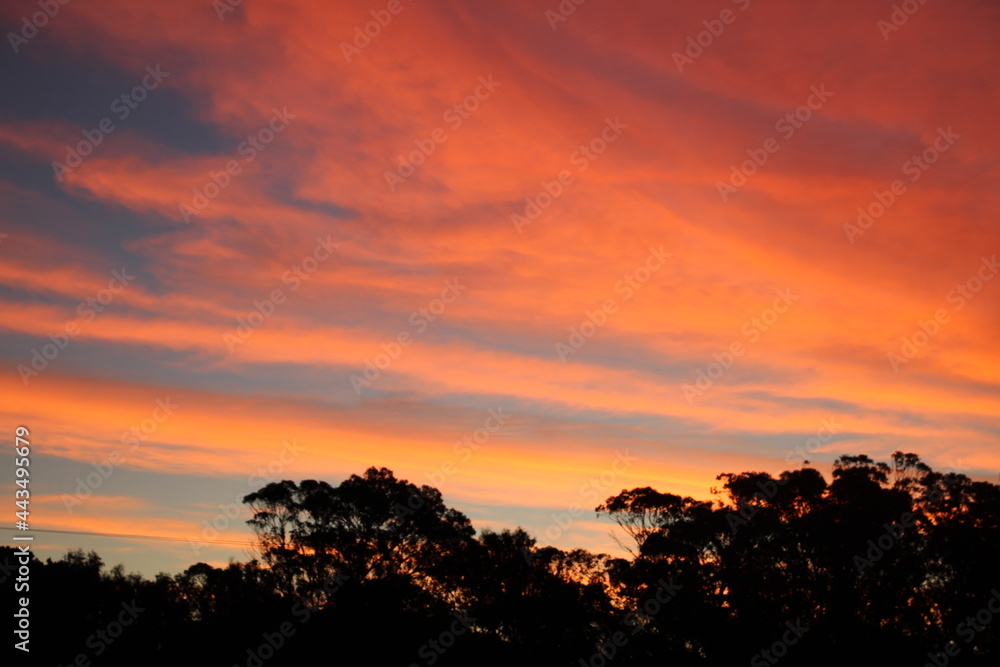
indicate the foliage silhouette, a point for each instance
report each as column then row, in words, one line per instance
column 884, row 564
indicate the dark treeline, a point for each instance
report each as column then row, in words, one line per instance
column 886, row 564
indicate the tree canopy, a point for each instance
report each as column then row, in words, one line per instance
column 885, row 563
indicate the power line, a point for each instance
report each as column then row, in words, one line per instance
column 135, row 537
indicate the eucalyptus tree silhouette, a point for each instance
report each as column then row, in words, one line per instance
column 882, row 565
column 369, row 527
column 887, row 563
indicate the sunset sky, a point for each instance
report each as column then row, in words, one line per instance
column 248, row 242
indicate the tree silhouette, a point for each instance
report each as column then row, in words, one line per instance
column 887, row 563
column 373, row 526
